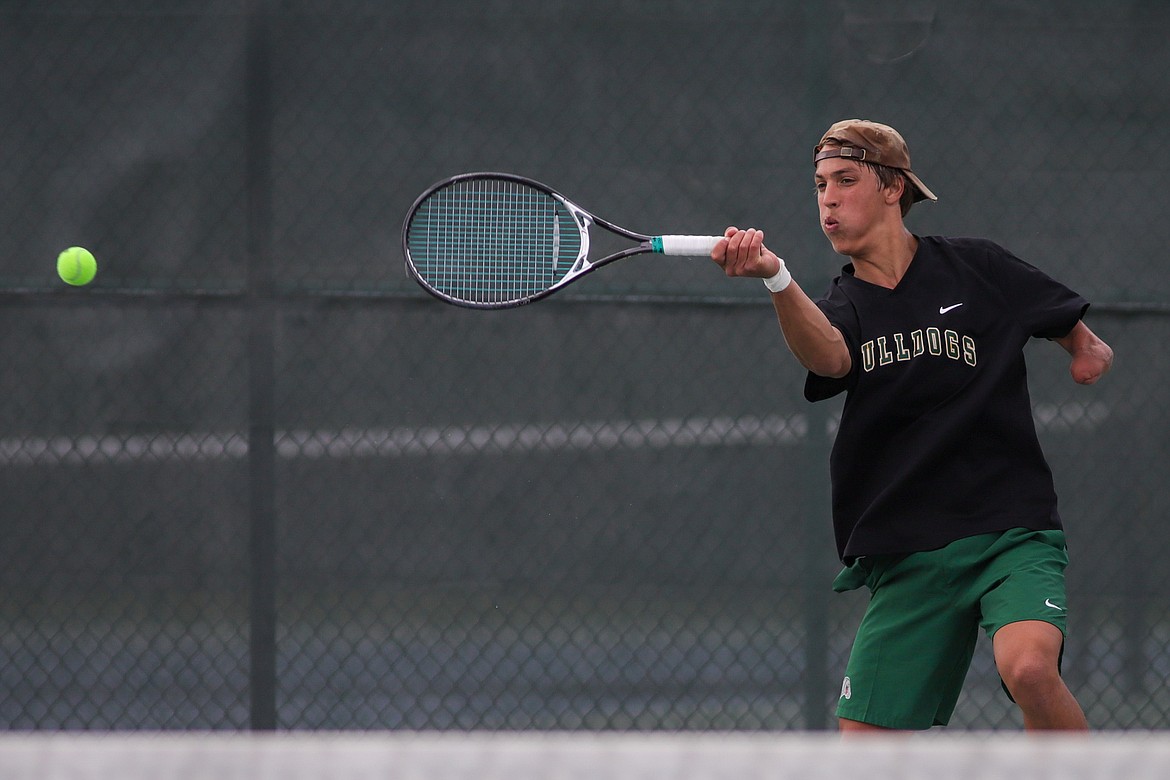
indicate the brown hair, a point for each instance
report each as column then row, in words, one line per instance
column 888, row 177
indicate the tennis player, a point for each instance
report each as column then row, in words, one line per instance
column 943, row 503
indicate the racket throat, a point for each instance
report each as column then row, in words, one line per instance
column 581, row 264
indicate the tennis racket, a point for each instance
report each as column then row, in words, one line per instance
column 497, row 240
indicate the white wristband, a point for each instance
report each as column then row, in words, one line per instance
column 780, row 280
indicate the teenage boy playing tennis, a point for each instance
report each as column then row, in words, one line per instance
column 943, row 503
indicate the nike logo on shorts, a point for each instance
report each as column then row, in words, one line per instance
column 1048, row 603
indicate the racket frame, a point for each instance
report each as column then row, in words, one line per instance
column 582, row 218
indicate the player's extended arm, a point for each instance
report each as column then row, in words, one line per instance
column 814, row 341
column 1091, row 357
column 818, row 345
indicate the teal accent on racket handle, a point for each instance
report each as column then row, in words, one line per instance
column 686, row 246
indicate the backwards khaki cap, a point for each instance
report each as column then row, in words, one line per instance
column 866, row 141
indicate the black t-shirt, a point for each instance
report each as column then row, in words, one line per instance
column 936, row 441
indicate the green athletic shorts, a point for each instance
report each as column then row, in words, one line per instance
column 915, row 643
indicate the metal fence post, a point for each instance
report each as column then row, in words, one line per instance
column 261, row 377
column 817, row 505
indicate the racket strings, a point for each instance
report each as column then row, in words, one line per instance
column 492, row 241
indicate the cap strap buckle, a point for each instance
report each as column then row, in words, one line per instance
column 850, row 152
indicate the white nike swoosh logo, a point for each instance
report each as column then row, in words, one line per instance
column 1048, row 603
column 945, row 309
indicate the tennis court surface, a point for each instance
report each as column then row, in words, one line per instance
column 552, row 755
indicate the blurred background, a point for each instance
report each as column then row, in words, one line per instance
column 253, row 477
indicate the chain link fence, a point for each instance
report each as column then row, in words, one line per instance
column 253, row 478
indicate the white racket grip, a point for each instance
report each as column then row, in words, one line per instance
column 689, row 246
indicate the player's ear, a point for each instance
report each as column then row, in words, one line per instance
column 895, row 190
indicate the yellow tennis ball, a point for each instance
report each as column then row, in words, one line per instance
column 76, row 266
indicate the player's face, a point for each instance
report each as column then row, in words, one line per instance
column 850, row 201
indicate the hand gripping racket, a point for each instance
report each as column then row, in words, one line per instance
column 496, row 240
